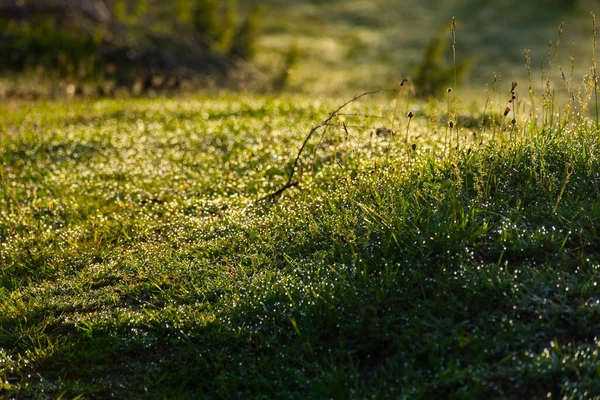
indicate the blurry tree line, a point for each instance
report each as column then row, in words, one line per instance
column 124, row 40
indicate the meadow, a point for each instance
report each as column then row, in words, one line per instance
column 438, row 248
column 365, row 45
column 136, row 261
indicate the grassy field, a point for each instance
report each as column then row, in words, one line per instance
column 135, row 262
column 371, row 44
column 455, row 256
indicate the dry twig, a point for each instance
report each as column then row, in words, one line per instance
column 290, row 182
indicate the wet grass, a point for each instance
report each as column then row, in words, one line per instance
column 134, row 264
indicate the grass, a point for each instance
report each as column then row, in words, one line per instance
column 134, row 263
column 365, row 45
column 454, row 255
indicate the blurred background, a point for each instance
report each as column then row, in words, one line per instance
column 107, row 47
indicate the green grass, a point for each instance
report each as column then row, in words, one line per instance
column 134, row 263
column 369, row 44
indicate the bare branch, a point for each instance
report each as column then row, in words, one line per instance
column 289, row 184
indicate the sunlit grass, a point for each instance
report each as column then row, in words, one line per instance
column 135, row 262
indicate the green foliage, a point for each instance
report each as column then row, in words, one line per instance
column 120, row 10
column 207, row 18
column 67, row 52
column 184, row 11
column 130, row 12
column 435, row 73
column 145, row 39
column 228, row 26
column 290, row 61
column 217, row 22
column 245, row 42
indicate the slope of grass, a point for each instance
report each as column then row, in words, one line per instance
column 134, row 264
